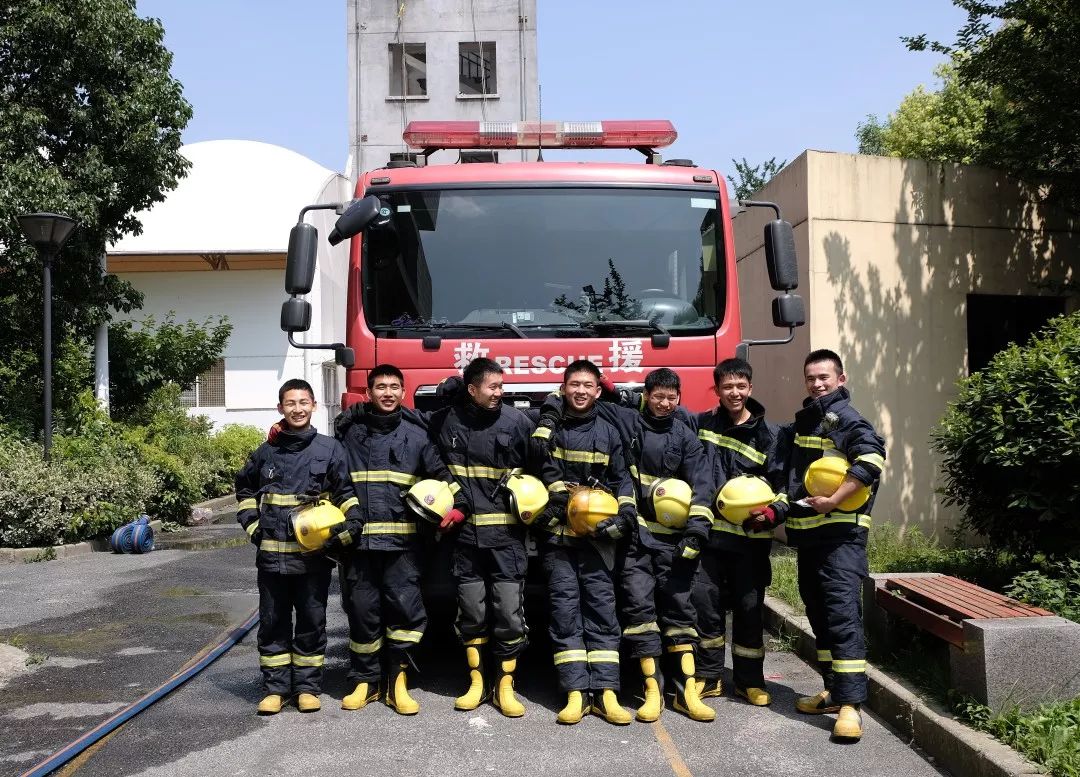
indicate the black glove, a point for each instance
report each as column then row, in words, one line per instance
column 688, row 548
column 609, row 529
column 555, row 511
column 447, row 391
column 256, row 537
column 353, row 414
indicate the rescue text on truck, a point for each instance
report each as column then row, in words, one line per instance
column 538, row 263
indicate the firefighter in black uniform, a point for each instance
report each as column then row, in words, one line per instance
column 735, row 568
column 830, row 536
column 482, row 440
column 580, row 450
column 380, row 580
column 671, row 477
column 277, row 478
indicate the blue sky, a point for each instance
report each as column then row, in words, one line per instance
column 753, row 80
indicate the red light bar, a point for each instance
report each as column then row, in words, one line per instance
column 653, row 133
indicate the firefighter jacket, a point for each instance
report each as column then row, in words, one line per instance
column 658, row 448
column 480, row 446
column 387, row 454
column 755, row 447
column 286, row 474
column 578, row 450
column 825, row 425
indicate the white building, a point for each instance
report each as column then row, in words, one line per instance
column 216, row 246
column 436, row 60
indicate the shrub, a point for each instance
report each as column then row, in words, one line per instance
column 1049, row 736
column 1010, row 445
column 233, row 444
column 1057, row 588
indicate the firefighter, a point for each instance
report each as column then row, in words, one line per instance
column 482, row 440
column 278, row 477
column 668, row 467
column 735, row 568
column 389, row 453
column 582, row 452
column 829, row 533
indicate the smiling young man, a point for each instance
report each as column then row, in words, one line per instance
column 584, row 450
column 380, row 581
column 482, row 440
column 279, row 476
column 831, row 541
column 735, row 568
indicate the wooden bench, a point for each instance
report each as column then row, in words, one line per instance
column 940, row 604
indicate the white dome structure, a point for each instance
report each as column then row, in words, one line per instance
column 216, row 246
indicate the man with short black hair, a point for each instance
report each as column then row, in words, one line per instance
column 389, row 452
column 582, row 459
column 278, row 477
column 829, row 534
column 482, row 441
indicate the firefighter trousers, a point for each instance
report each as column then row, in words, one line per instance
column 734, row 579
column 380, row 593
column 655, row 589
column 583, row 626
column 831, row 575
column 292, row 660
column 491, row 597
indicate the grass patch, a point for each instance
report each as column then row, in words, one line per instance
column 45, row 554
column 1049, row 735
column 785, row 580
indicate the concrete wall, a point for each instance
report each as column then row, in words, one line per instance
column 376, row 119
column 893, row 248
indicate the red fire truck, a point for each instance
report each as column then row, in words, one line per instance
column 536, row 264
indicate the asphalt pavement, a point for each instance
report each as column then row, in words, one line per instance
column 105, row 629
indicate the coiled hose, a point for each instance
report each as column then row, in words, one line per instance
column 196, row 665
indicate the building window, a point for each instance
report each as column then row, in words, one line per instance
column 408, row 70
column 331, row 386
column 476, row 69
column 994, row 321
column 209, row 388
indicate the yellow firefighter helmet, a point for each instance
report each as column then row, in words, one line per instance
column 312, row 525
column 670, row 499
column 825, row 475
column 741, row 495
column 430, row 499
column 528, row 497
column 588, row 507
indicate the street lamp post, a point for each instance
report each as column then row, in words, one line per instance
column 48, row 232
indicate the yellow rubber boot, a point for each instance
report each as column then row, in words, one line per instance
column 610, row 709
column 848, row 726
column 473, row 697
column 505, row 700
column 710, row 688
column 574, row 709
column 360, row 697
column 816, row 705
column 687, row 700
column 271, row 704
column 654, row 701
column 308, row 702
column 397, row 694
column 759, row 697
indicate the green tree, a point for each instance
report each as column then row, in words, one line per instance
column 147, row 356
column 753, row 177
column 90, row 126
column 945, row 125
column 1025, row 52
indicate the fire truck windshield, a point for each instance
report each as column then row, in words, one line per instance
column 512, row 262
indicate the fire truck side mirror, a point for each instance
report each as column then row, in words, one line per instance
column 358, row 217
column 788, row 310
column 300, row 261
column 295, row 315
column 780, row 257
column 346, row 357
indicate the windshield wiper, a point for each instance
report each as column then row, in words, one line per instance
column 424, row 327
column 643, row 323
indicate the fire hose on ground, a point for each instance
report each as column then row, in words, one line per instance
column 198, row 663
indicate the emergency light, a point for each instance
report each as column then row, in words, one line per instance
column 652, row 133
